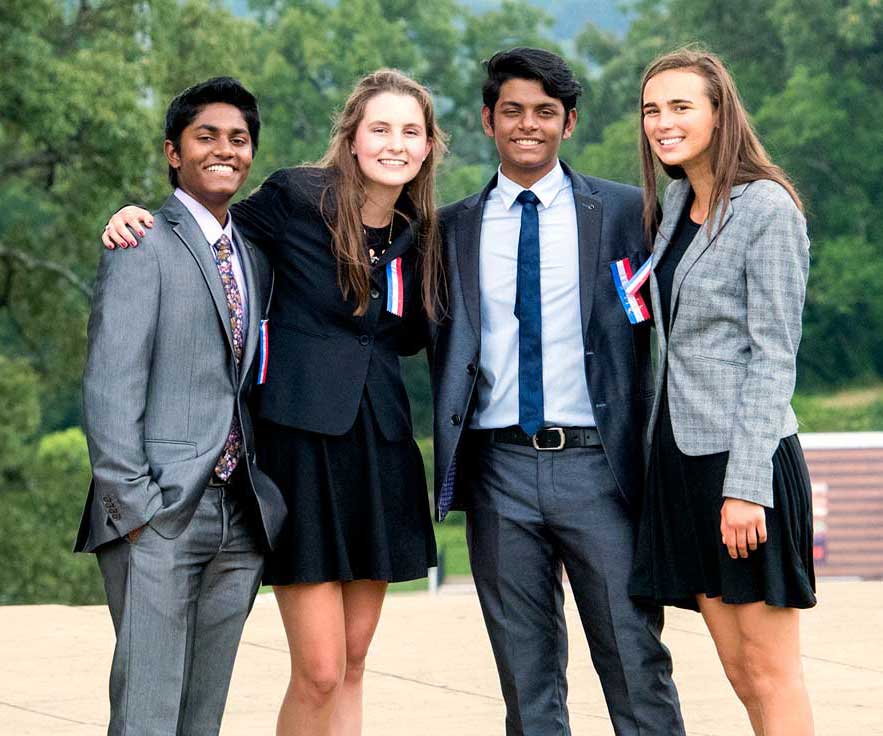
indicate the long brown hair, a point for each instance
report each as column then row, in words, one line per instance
column 342, row 210
column 737, row 155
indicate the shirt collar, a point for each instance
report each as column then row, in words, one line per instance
column 207, row 222
column 546, row 188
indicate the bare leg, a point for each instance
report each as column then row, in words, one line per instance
column 766, row 643
column 720, row 619
column 362, row 602
column 313, row 617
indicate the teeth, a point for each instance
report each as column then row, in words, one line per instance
column 218, row 168
column 391, row 162
column 670, row 141
column 527, row 142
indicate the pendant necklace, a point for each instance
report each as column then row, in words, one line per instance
column 371, row 253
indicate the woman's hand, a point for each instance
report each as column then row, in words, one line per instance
column 117, row 232
column 743, row 526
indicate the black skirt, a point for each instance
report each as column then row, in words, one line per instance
column 679, row 551
column 357, row 505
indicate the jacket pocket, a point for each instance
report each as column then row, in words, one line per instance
column 710, row 359
column 164, row 452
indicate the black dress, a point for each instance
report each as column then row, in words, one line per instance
column 679, row 553
column 335, row 431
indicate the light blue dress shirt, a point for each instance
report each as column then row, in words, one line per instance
column 565, row 391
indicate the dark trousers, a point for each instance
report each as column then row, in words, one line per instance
column 532, row 513
column 178, row 608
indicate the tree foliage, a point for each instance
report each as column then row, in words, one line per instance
column 86, row 83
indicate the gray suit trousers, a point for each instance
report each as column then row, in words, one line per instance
column 178, row 607
column 532, row 513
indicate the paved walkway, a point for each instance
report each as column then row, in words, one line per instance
column 430, row 671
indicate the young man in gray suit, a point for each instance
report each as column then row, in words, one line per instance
column 541, row 391
column 177, row 513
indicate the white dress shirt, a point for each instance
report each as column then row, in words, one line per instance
column 565, row 392
column 212, row 231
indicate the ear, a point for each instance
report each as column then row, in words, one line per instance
column 569, row 124
column 172, row 155
column 487, row 121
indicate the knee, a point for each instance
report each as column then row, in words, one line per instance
column 741, row 679
column 317, row 682
column 356, row 654
column 768, row 673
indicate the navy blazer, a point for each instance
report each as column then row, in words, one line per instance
column 322, row 357
column 617, row 354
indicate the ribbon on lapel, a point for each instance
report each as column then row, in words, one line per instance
column 628, row 286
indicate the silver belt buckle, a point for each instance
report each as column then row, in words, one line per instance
column 559, row 446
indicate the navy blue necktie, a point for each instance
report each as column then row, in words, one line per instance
column 529, row 315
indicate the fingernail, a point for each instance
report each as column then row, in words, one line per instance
column 141, row 233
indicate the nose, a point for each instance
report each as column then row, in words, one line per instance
column 665, row 120
column 395, row 142
column 528, row 122
column 223, row 147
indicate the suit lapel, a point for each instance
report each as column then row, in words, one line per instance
column 191, row 236
column 255, row 306
column 588, row 228
column 701, row 243
column 680, row 188
column 467, row 244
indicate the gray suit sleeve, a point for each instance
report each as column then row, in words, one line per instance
column 121, row 332
column 777, row 263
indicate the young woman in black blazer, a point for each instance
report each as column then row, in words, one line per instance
column 355, row 249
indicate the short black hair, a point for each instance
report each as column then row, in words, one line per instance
column 187, row 105
column 545, row 67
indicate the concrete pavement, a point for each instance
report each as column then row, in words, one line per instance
column 430, row 671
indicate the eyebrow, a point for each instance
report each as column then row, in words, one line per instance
column 676, row 101
column 520, row 105
column 215, row 129
column 404, row 125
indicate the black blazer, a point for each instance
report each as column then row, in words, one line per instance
column 322, row 358
column 617, row 354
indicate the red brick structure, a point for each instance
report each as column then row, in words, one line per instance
column 846, row 469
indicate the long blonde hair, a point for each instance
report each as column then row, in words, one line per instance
column 342, row 210
column 737, row 155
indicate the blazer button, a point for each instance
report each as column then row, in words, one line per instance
column 375, row 293
column 455, row 420
column 470, row 369
column 364, row 340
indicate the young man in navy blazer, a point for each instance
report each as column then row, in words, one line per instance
column 541, row 389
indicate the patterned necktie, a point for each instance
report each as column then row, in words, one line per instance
column 529, row 315
column 223, row 258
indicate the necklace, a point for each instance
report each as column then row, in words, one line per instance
column 371, row 253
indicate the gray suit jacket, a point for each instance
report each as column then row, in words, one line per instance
column 735, row 319
column 161, row 383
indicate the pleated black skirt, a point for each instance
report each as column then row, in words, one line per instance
column 679, row 552
column 357, row 505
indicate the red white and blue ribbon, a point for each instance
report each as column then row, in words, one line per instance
column 395, row 288
column 628, row 286
column 264, row 351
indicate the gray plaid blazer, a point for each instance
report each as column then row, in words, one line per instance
column 735, row 319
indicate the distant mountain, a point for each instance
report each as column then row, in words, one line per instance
column 570, row 15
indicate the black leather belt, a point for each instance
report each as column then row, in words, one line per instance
column 548, row 438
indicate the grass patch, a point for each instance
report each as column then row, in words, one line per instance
column 850, row 410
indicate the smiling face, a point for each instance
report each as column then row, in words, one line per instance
column 214, row 156
column 679, row 119
column 391, row 141
column 527, row 126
